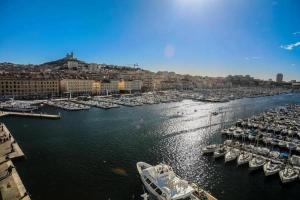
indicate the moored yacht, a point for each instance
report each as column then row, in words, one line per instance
column 288, row 174
column 237, row 133
column 164, row 184
column 274, row 154
column 256, row 162
column 232, row 155
column 209, row 149
column 271, row 168
column 219, row 152
column 244, row 158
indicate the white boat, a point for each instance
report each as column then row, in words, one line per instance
column 164, row 184
column 249, row 147
column 230, row 131
column 236, row 144
column 209, row 149
column 228, row 142
column 244, row 158
column 282, row 144
column 224, row 131
column 295, row 160
column 231, row 155
column 271, row 168
column 262, row 150
column 237, row 133
column 288, row 174
column 274, row 154
column 256, row 162
column 219, row 152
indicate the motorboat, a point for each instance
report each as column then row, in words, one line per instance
column 244, row 158
column 219, row 152
column 236, row 144
column 209, row 149
column 274, row 154
column 237, row 133
column 162, row 182
column 249, row 147
column 228, row 142
column 251, row 136
column 262, row 151
column 288, row 174
column 232, row 155
column 271, row 168
column 230, row 131
column 282, row 144
column 295, row 160
column 256, row 162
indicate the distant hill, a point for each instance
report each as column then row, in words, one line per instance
column 63, row 61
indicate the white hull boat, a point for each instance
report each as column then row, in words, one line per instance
column 288, row 174
column 271, row 168
column 256, row 163
column 209, row 149
column 219, row 152
column 161, row 181
column 244, row 158
column 231, row 155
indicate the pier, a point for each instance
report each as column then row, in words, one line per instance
column 11, row 186
column 33, row 115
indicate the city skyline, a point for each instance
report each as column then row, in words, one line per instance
column 213, row 38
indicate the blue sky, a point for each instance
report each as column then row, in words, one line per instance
column 200, row 37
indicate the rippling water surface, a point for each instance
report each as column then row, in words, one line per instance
column 92, row 154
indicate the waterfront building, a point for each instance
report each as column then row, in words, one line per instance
column 76, row 86
column 109, row 87
column 129, row 86
column 28, row 88
column 279, row 77
column 170, row 85
column 148, row 81
column 96, row 88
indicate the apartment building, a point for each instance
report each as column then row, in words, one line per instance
column 76, row 86
column 109, row 87
column 28, row 88
column 129, row 86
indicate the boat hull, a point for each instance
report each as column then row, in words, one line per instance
column 268, row 172
column 287, row 180
column 140, row 166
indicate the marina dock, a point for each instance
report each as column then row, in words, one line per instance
column 33, row 115
column 11, row 186
column 269, row 139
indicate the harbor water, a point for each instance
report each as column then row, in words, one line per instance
column 92, row 154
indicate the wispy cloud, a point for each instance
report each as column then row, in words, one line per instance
column 296, row 33
column 252, row 58
column 290, row 46
column 293, row 64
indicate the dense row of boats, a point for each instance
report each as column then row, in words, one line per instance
column 131, row 100
column 16, row 106
column 277, row 128
column 67, row 105
column 269, row 141
column 272, row 162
